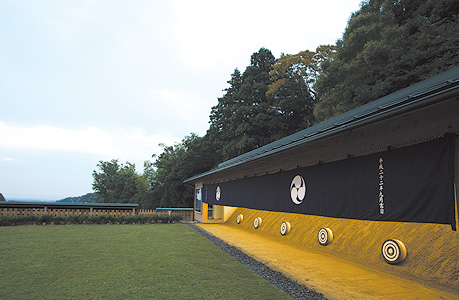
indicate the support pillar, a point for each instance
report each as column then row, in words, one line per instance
column 456, row 179
column 205, row 212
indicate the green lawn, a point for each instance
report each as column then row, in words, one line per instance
column 162, row 261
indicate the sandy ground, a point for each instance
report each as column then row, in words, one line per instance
column 335, row 277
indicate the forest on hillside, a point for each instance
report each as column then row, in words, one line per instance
column 87, row 198
column 387, row 45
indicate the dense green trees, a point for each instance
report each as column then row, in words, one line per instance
column 291, row 93
column 271, row 99
column 193, row 155
column 119, row 183
column 87, row 198
column 161, row 183
column 238, row 123
column 387, row 45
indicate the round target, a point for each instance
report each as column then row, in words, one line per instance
column 240, row 218
column 257, row 222
column 325, row 236
column 285, row 228
column 393, row 251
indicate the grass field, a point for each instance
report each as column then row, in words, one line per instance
column 163, row 261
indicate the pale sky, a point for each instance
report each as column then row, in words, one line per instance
column 84, row 81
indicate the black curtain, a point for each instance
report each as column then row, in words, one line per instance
column 411, row 184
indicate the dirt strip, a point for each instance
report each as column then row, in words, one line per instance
column 335, row 278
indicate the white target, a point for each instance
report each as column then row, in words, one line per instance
column 240, row 218
column 298, row 189
column 285, row 228
column 393, row 251
column 257, row 222
column 325, row 236
column 218, row 193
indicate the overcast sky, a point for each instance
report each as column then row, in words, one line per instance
column 84, row 81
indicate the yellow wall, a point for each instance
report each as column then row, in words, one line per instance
column 218, row 212
column 228, row 212
column 433, row 250
column 221, row 214
column 202, row 215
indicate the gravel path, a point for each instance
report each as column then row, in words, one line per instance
column 288, row 286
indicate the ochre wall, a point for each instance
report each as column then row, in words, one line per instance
column 433, row 250
column 228, row 212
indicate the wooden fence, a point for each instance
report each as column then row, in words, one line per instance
column 64, row 211
column 186, row 213
column 14, row 211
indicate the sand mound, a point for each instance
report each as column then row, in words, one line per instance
column 433, row 250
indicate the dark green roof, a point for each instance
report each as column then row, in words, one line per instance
column 425, row 93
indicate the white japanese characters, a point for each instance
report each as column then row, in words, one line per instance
column 381, row 185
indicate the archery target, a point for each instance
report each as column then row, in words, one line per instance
column 393, row 251
column 325, row 236
column 257, row 222
column 240, row 218
column 285, row 228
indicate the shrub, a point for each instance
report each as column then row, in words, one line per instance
column 85, row 219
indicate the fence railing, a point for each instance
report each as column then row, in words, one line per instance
column 63, row 211
column 186, row 213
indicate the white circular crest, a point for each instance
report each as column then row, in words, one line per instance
column 218, row 193
column 297, row 189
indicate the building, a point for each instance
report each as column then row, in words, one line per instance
column 383, row 172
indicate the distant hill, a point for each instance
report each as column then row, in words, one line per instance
column 88, row 198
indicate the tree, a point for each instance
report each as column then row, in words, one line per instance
column 192, row 156
column 106, row 181
column 168, row 184
column 239, row 122
column 149, row 176
column 2, row 198
column 87, row 198
column 221, row 130
column 119, row 183
column 252, row 118
column 291, row 91
column 388, row 45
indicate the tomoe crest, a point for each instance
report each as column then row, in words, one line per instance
column 218, row 193
column 298, row 189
